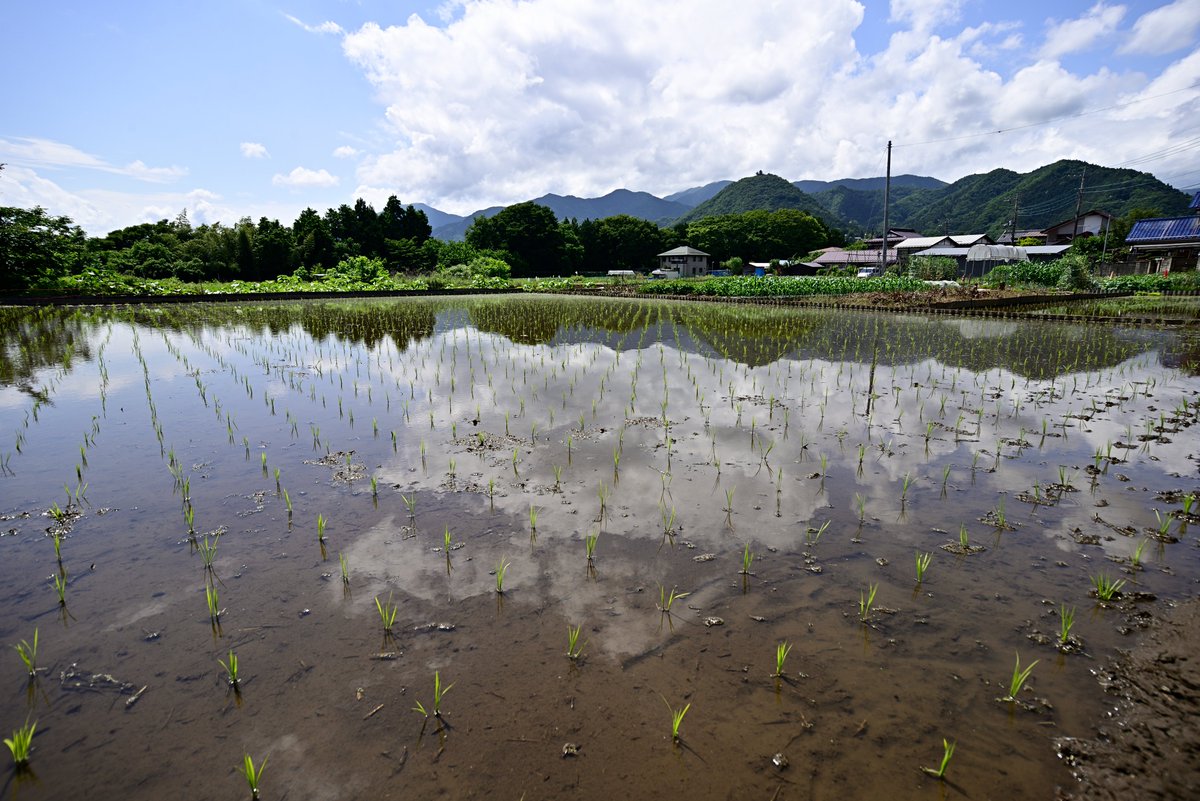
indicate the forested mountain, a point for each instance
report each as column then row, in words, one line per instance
column 870, row 184
column 1043, row 197
column 761, row 192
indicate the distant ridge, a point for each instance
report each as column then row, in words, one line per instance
column 697, row 194
column 981, row 203
column 871, row 184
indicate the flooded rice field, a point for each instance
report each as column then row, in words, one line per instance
column 515, row 547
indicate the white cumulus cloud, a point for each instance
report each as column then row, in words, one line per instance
column 254, row 150
column 1075, row 35
column 304, row 177
column 345, row 152
column 1165, row 29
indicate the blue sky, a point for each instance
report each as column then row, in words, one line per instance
column 132, row 111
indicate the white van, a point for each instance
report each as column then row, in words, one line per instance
column 870, row 272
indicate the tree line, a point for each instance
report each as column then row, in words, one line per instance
column 526, row 238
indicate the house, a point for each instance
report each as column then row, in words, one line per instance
column 1006, row 238
column 684, row 260
column 912, row 246
column 853, row 258
column 1163, row 244
column 1091, row 223
column 895, row 235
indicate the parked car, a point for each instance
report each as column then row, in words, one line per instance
column 870, row 272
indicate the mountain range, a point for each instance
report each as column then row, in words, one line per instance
column 981, row 203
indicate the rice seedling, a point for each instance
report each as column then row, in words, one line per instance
column 253, row 775
column 446, row 539
column 860, row 503
column 923, row 560
column 60, row 588
column 813, row 535
column 21, row 743
column 1106, row 587
column 1164, row 525
column 557, row 476
column 1135, row 559
column 213, row 601
column 287, row 501
column 1188, row 502
column 208, row 552
column 231, row 669
column 947, row 752
column 747, row 560
column 904, row 485
column 28, row 653
column 729, row 506
column 866, row 600
column 387, row 613
column 667, row 600
column 589, row 543
column 410, row 503
column 501, row 569
column 321, row 528
column 668, row 520
column 533, row 517
column 574, row 647
column 781, row 654
column 676, row 718
column 963, row 538
column 345, row 570
column 374, row 486
column 439, row 692
column 1019, row 677
column 1066, row 620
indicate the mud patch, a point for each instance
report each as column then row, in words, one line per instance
column 1149, row 748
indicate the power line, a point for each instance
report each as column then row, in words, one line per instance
column 1047, row 121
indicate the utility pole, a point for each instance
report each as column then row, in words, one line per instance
column 1016, row 206
column 1078, row 204
column 887, row 189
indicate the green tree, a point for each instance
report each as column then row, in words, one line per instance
column 273, row 246
column 35, row 246
column 531, row 234
column 620, row 242
column 313, row 247
column 397, row 221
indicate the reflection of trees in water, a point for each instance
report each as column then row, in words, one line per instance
column 31, row 339
column 34, row 339
column 362, row 322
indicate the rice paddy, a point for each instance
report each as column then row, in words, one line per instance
column 758, row 480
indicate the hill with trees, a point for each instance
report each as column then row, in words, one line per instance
column 760, row 192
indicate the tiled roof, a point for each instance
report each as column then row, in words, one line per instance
column 1165, row 229
column 683, row 250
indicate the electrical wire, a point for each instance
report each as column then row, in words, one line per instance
column 1046, row 121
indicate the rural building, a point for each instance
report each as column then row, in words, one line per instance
column 836, row 257
column 915, row 245
column 1163, row 244
column 1091, row 223
column 977, row 259
column 684, row 260
column 895, row 236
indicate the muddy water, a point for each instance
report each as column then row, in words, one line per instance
column 682, row 438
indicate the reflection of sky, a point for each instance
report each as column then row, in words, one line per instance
column 825, row 406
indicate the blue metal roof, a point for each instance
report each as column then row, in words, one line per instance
column 1165, row 229
column 1195, row 202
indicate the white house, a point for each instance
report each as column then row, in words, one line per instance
column 686, row 261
